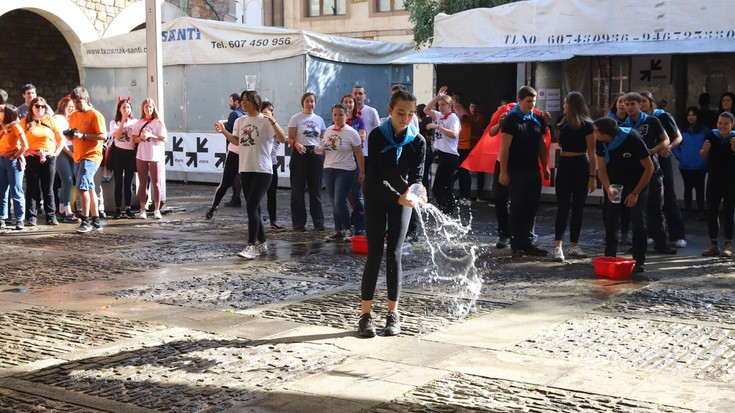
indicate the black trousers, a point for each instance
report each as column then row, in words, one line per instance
column 525, row 192
column 232, row 168
column 501, row 196
column 720, row 190
column 40, row 182
column 672, row 213
column 572, row 176
column 254, row 187
column 444, row 181
column 655, row 210
column 306, row 174
column 124, row 172
column 638, row 218
column 271, row 202
column 693, row 181
column 463, row 176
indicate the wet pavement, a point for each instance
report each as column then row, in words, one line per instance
column 162, row 316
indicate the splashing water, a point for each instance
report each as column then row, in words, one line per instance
column 454, row 275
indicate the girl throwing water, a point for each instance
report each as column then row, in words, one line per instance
column 397, row 162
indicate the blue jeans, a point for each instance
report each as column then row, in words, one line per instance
column 11, row 177
column 65, row 169
column 358, row 204
column 339, row 182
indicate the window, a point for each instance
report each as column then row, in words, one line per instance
column 327, row 8
column 391, row 5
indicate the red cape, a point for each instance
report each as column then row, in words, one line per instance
column 483, row 156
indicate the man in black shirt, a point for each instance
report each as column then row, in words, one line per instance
column 522, row 147
column 623, row 159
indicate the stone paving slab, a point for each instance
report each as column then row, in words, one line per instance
column 699, row 351
column 37, row 333
column 466, row 393
column 13, row 401
column 196, row 373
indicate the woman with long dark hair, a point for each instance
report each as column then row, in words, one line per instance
column 123, row 161
column 65, row 162
column 576, row 174
column 692, row 167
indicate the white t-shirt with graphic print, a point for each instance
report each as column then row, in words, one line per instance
column 126, row 136
column 339, row 146
column 255, row 134
column 308, row 128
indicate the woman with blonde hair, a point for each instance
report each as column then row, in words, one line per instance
column 44, row 145
column 150, row 135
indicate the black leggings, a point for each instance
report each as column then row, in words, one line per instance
column 720, row 190
column 379, row 213
column 693, row 180
column 271, row 201
column 40, row 184
column 254, row 187
column 444, row 180
column 123, row 172
column 232, row 167
column 571, row 193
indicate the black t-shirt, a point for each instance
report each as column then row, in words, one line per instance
column 650, row 130
column 527, row 136
column 721, row 157
column 386, row 179
column 574, row 140
column 668, row 123
column 624, row 166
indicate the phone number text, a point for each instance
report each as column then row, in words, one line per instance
column 234, row 44
column 524, row 39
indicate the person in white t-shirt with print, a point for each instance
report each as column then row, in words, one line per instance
column 342, row 149
column 446, row 129
column 253, row 133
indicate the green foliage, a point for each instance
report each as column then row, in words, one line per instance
column 423, row 12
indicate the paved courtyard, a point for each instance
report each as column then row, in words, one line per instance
column 161, row 316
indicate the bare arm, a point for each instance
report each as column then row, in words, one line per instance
column 591, row 181
column 505, row 140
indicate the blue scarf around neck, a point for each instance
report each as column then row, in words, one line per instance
column 724, row 139
column 629, row 121
column 525, row 116
column 386, row 128
column 658, row 112
column 613, row 115
column 617, row 141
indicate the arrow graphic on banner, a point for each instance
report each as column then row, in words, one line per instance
column 220, row 159
column 201, row 145
column 177, row 144
column 169, row 158
column 655, row 67
column 192, row 159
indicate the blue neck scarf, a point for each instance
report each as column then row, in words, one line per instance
column 629, row 121
column 525, row 116
column 386, row 128
column 724, row 139
column 617, row 141
column 658, row 112
column 612, row 114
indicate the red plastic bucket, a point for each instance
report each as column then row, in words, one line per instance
column 359, row 244
column 613, row 267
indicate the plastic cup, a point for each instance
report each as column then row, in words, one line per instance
column 617, row 191
column 250, row 81
column 415, row 192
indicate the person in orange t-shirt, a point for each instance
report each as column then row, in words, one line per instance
column 87, row 139
column 12, row 164
column 44, row 145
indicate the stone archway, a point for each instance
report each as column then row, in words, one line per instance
column 41, row 45
column 133, row 17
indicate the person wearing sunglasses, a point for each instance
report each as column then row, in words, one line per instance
column 44, row 145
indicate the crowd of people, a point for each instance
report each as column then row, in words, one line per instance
column 63, row 156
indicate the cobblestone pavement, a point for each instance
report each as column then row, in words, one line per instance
column 161, row 316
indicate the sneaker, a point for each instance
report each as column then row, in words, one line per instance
column 319, row 228
column 366, row 326
column 334, row 237
column 558, row 254
column 84, row 227
column 262, row 248
column 129, row 214
column 234, row 203
column 577, row 252
column 502, row 242
column 142, row 215
column 392, row 324
column 464, row 202
column 275, row 226
column 210, row 212
column 535, row 251
column 249, row 253
column 682, row 243
column 347, row 235
column 70, row 219
column 32, row 221
column 665, row 249
column 299, row 229
column 118, row 214
column 102, row 214
column 97, row 225
column 52, row 220
column 19, row 224
column 727, row 249
column 639, row 268
column 712, row 250
column 157, row 214
column 3, row 225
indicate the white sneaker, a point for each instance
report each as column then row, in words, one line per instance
column 157, row 214
column 558, row 254
column 577, row 252
column 682, row 243
column 249, row 253
column 262, row 248
column 347, row 235
column 142, row 215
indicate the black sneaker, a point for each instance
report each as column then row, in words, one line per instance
column 392, row 324
column 97, row 225
column 639, row 268
column 502, row 242
column 129, row 214
column 366, row 326
column 535, row 251
column 665, row 249
column 210, row 213
column 234, row 203
column 118, row 214
column 84, row 227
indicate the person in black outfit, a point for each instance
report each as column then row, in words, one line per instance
column 707, row 117
column 231, row 174
column 656, row 139
column 522, row 147
column 623, row 158
column 396, row 162
column 719, row 147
